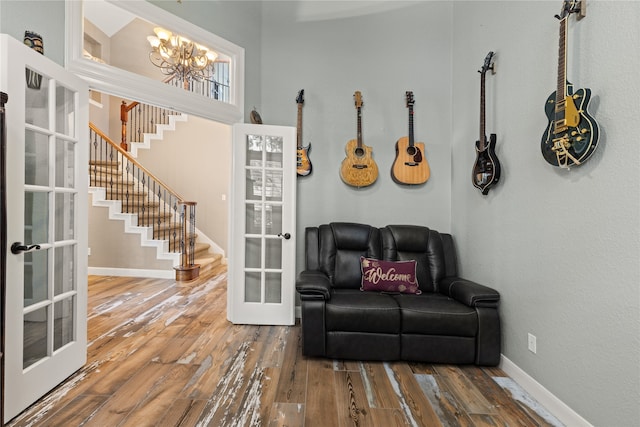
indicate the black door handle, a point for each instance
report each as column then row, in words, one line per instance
column 18, row 247
column 286, row 236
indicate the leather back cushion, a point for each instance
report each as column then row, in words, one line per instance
column 341, row 246
column 407, row 242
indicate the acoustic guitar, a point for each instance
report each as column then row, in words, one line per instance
column 571, row 136
column 358, row 169
column 486, row 169
column 410, row 166
column 303, row 166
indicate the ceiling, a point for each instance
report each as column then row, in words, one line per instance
column 108, row 18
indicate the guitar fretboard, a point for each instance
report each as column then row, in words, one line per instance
column 359, row 124
column 562, row 64
column 299, row 127
column 411, row 126
column 483, row 137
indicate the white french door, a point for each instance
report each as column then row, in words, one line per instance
column 46, row 274
column 261, row 287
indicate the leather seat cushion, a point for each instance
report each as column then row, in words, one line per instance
column 435, row 314
column 352, row 310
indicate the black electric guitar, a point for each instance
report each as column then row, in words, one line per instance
column 572, row 134
column 410, row 165
column 303, row 166
column 486, row 169
column 358, row 169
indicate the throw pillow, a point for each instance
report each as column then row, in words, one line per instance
column 389, row 276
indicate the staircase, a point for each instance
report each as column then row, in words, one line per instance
column 148, row 207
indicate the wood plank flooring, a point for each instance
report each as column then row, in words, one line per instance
column 162, row 353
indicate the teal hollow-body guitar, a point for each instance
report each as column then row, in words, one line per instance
column 571, row 136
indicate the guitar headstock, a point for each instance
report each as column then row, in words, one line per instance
column 488, row 63
column 300, row 97
column 569, row 7
column 357, row 96
column 410, row 100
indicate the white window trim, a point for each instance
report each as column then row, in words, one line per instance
column 115, row 81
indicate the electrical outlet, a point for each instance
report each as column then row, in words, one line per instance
column 532, row 343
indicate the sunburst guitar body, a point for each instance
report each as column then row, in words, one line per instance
column 303, row 163
column 358, row 169
column 410, row 166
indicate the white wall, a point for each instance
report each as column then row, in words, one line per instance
column 383, row 54
column 562, row 247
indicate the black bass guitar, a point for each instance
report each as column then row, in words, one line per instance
column 486, row 169
column 571, row 136
column 303, row 166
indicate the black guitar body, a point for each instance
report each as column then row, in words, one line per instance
column 486, row 169
column 577, row 141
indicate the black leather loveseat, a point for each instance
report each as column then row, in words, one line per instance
column 453, row 320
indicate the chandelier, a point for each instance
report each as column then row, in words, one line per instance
column 179, row 57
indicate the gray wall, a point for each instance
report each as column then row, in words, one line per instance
column 43, row 17
column 562, row 247
column 382, row 54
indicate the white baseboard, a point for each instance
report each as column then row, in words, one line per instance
column 547, row 399
column 132, row 272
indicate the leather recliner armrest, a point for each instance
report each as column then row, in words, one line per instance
column 313, row 284
column 469, row 293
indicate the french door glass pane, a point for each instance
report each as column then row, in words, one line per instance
column 37, row 99
column 274, row 223
column 64, row 281
column 65, row 158
column 255, row 145
column 252, row 286
column 253, row 214
column 36, row 272
column 36, row 217
column 273, row 253
column 64, row 217
column 253, row 253
column 36, row 158
column 63, row 322
column 35, row 336
column 65, row 111
column 273, row 287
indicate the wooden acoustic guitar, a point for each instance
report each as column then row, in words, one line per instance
column 572, row 134
column 410, row 165
column 303, row 165
column 486, row 169
column 358, row 169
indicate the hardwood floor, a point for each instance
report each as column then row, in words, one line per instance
column 162, row 353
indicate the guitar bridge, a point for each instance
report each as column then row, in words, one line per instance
column 359, row 166
column 560, row 146
column 411, row 164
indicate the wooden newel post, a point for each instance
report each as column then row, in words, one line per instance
column 188, row 269
column 124, row 118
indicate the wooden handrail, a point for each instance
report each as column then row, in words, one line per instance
column 135, row 162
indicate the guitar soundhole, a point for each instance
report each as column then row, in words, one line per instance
column 412, row 151
column 359, row 152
